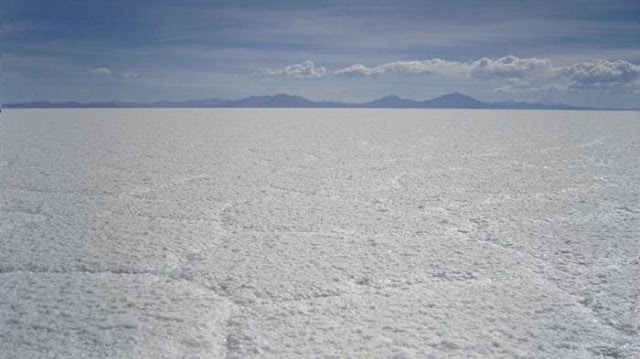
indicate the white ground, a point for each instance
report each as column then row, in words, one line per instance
column 319, row 233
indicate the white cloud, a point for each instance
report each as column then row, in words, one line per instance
column 601, row 75
column 615, row 76
column 419, row 67
column 432, row 66
column 357, row 70
column 508, row 73
column 508, row 67
column 513, row 73
column 101, row 71
column 131, row 75
column 306, row 70
column 106, row 72
column 511, row 67
column 428, row 67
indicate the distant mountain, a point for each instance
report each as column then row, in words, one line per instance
column 457, row 100
column 518, row 105
column 452, row 100
column 279, row 100
column 213, row 102
column 392, row 101
column 112, row 104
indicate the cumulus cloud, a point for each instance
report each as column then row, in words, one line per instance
column 615, row 76
column 511, row 67
column 305, row 70
column 357, row 70
column 513, row 73
column 508, row 67
column 101, row 71
column 418, row 67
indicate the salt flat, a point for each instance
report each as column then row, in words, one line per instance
column 319, row 233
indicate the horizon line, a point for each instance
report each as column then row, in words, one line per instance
column 374, row 103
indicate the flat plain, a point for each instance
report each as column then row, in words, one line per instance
column 280, row 233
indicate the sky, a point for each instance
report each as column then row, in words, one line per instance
column 575, row 52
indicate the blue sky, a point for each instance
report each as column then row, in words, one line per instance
column 577, row 52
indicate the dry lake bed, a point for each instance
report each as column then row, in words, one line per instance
column 284, row 233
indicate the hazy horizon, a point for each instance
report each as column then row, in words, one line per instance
column 453, row 100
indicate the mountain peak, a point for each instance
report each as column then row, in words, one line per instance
column 457, row 100
column 278, row 100
column 284, row 95
column 455, row 95
column 390, row 101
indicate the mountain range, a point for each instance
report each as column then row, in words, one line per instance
column 452, row 100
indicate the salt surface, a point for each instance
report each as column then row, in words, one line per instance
column 319, row 233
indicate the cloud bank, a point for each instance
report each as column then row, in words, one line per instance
column 508, row 73
column 419, row 67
